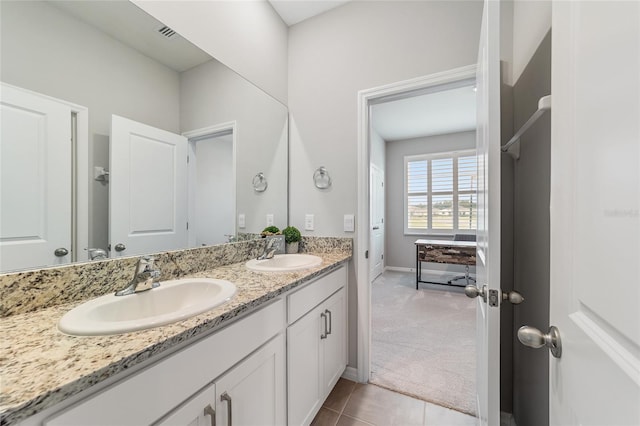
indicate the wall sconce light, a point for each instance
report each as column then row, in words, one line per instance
column 321, row 178
column 260, row 182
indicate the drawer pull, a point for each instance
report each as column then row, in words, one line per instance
column 328, row 312
column 324, row 316
column 225, row 397
column 208, row 411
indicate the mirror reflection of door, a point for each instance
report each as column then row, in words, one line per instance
column 214, row 205
column 147, row 189
column 377, row 221
column 35, row 180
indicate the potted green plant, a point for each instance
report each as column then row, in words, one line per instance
column 270, row 230
column 291, row 238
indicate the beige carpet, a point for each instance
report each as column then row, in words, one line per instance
column 423, row 341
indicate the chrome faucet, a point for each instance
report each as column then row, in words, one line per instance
column 270, row 249
column 145, row 278
column 97, row 254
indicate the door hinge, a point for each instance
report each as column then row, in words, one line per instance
column 366, row 254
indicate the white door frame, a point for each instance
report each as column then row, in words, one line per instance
column 209, row 131
column 365, row 98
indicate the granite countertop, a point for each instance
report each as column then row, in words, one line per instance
column 42, row 367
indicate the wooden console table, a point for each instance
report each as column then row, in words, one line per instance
column 443, row 251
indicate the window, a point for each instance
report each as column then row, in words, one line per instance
column 440, row 193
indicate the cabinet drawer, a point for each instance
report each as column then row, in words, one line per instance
column 302, row 301
column 151, row 393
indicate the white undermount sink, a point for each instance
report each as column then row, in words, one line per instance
column 284, row 263
column 172, row 301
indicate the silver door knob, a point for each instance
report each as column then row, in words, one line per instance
column 472, row 291
column 513, row 296
column 61, row 252
column 120, row 247
column 534, row 338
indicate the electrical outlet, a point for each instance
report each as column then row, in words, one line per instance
column 241, row 221
column 270, row 219
column 349, row 223
column 308, row 222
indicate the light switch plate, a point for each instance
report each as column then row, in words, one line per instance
column 241, row 221
column 308, row 222
column 269, row 219
column 349, row 223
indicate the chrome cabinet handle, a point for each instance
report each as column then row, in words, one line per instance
column 208, row 411
column 376, row 228
column 328, row 312
column 324, row 316
column 225, row 397
column 534, row 338
column 120, row 247
column 61, row 252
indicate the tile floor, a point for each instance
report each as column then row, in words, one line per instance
column 356, row 404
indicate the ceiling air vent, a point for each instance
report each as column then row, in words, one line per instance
column 166, row 31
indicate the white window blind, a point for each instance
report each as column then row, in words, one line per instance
column 440, row 193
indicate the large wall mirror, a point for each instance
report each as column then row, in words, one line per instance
column 120, row 135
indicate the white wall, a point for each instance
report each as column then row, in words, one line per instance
column 531, row 22
column 334, row 55
column 400, row 248
column 212, row 94
column 247, row 36
column 50, row 52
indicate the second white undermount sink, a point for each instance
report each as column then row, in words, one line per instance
column 172, row 301
column 284, row 263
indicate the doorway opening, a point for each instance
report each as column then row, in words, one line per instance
column 418, row 338
column 212, row 186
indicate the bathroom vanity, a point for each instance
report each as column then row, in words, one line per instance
column 271, row 355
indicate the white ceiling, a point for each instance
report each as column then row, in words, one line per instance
column 294, row 11
column 132, row 26
column 439, row 113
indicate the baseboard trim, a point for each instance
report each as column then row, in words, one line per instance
column 399, row 269
column 506, row 419
column 350, row 373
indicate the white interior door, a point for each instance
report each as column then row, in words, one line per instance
column 595, row 219
column 147, row 189
column 35, row 180
column 488, row 234
column 377, row 222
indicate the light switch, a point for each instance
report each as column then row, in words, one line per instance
column 308, row 222
column 269, row 219
column 349, row 223
column 241, row 222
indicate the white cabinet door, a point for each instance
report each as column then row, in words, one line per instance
column 198, row 411
column 147, row 189
column 317, row 357
column 35, row 180
column 304, row 368
column 334, row 347
column 595, row 213
column 253, row 393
